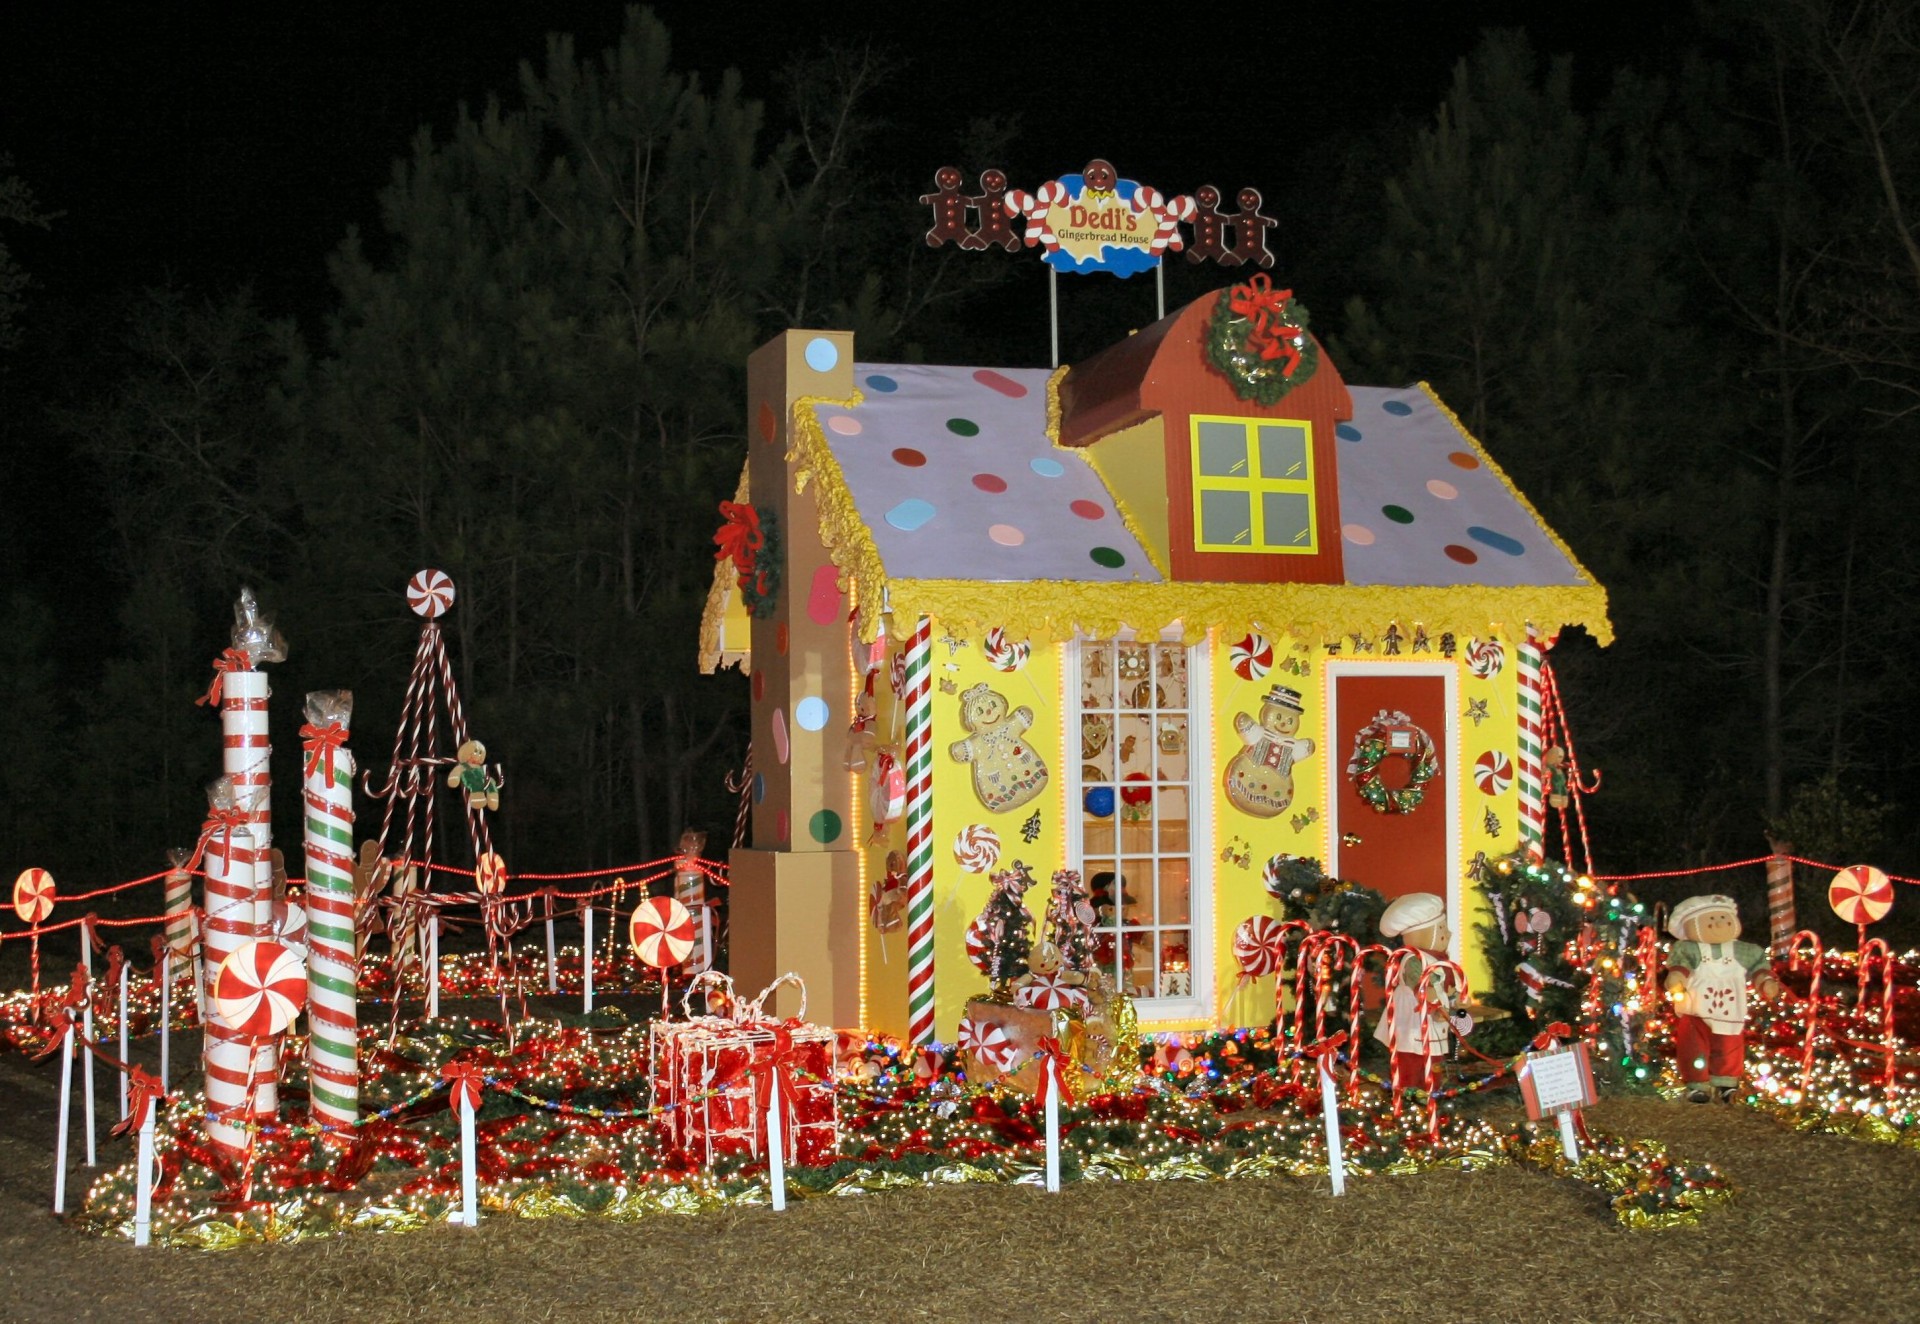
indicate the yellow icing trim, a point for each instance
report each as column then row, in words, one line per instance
column 1602, row 630
column 849, row 542
column 714, row 613
column 1057, row 609
column 1054, row 412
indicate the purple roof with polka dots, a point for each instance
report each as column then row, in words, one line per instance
column 953, row 472
column 1418, row 504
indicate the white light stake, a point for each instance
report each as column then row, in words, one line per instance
column 469, row 1206
column 123, row 1040
column 1568, row 1144
column 166, row 1011
column 143, row 1182
column 66, row 1116
column 1052, row 1069
column 776, row 1150
column 553, row 964
column 586, row 959
column 433, row 968
column 1330, row 1109
column 86, row 1032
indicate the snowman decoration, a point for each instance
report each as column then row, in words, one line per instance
column 1259, row 777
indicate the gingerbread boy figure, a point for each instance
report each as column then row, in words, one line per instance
column 1707, row 976
column 1414, row 1029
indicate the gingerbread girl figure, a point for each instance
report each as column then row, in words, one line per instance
column 1209, row 226
column 1249, row 233
column 949, row 208
column 996, row 221
column 1707, row 976
column 1415, row 1030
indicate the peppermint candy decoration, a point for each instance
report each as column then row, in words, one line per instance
column 1493, row 772
column 662, row 932
column 33, row 896
column 976, row 942
column 490, row 874
column 1860, row 894
column 1485, row 657
column 1534, row 982
column 290, row 922
column 430, row 594
column 1002, row 653
column 887, row 796
column 1049, row 992
column 988, row 1043
column 261, row 987
column 976, row 848
column 1252, row 657
column 1259, row 945
column 897, row 673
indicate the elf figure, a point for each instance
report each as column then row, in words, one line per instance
column 470, row 774
column 1707, row 976
column 1419, row 921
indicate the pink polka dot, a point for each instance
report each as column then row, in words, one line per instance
column 910, row 457
column 1464, row 555
column 824, row 600
column 990, row 482
column 1357, row 534
column 844, row 424
column 1088, row 509
column 1006, row 535
column 995, row 381
column 1445, row 491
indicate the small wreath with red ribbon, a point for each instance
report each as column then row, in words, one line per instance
column 1392, row 734
column 750, row 538
column 1257, row 338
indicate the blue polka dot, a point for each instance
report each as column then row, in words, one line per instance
column 882, row 383
column 910, row 514
column 1398, row 408
column 759, row 787
column 1500, row 542
column 1047, row 468
column 810, row 714
column 1347, row 432
column 822, row 354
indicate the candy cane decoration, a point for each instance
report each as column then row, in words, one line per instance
column 1871, row 950
column 333, row 968
column 237, row 1091
column 1530, row 696
column 919, row 756
column 1818, row 958
column 1356, row 1002
column 179, row 904
column 247, row 754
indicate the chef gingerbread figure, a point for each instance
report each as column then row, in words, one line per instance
column 1419, row 921
column 1707, row 977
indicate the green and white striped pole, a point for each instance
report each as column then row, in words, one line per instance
column 333, row 974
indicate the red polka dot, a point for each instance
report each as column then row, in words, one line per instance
column 990, row 482
column 1462, row 460
column 759, row 686
column 769, row 425
column 910, row 457
column 995, row 381
column 1464, row 555
column 780, row 638
column 1088, row 510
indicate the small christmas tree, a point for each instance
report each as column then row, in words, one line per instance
column 1069, row 922
column 1007, row 929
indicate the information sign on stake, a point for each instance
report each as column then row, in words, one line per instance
column 1558, row 1082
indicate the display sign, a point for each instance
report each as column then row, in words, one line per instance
column 1556, row 1081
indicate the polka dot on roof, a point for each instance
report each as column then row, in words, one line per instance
column 1109, row 557
column 1464, row 555
column 1047, row 468
column 844, row 424
column 910, row 514
column 1444, row 490
column 1398, row 408
column 1500, row 542
column 990, row 483
column 1463, row 460
column 879, row 381
column 995, row 381
column 1006, row 535
column 963, row 427
column 1088, row 509
column 1398, row 514
column 1357, row 534
column 908, row 456
column 1346, row 432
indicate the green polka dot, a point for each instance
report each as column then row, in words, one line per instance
column 825, row 826
column 963, row 427
column 1398, row 514
column 1107, row 557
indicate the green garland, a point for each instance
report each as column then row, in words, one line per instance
column 1233, row 348
column 760, row 589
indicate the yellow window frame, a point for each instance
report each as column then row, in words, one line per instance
column 1255, row 484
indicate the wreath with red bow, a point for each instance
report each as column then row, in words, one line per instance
column 1257, row 338
column 750, row 538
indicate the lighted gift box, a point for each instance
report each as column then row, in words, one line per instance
column 703, row 1073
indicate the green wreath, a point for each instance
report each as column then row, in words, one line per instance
column 1257, row 338
column 760, row 583
column 1370, row 750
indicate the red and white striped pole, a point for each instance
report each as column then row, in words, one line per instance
column 919, row 760
column 333, row 968
column 236, row 1089
column 1531, row 701
column 247, row 754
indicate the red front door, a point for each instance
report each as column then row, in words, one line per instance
column 1393, row 853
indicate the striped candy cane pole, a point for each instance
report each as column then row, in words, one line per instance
column 230, row 1062
column 332, row 966
column 247, row 753
column 1532, row 712
column 919, row 756
column 179, row 905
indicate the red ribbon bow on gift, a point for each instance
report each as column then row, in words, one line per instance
column 320, row 742
column 1054, row 1066
column 233, row 659
column 774, row 1071
column 143, row 1091
column 1554, row 1033
column 466, row 1082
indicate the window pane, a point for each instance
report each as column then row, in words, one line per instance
column 1170, row 676
column 1096, row 675
column 1136, row 886
column 1097, row 834
column 1103, row 892
column 1226, row 518
column 1223, row 450
column 1283, row 452
column 1172, row 742
column 1174, row 890
column 1134, row 665
column 1136, row 964
column 1096, row 747
column 1176, row 970
column 1173, row 820
column 1287, row 518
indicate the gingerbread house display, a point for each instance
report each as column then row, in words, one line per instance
column 1168, row 617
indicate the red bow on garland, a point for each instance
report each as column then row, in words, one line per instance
column 1054, row 1068
column 1557, row 1032
column 143, row 1091
column 774, row 1072
column 466, row 1082
column 740, row 539
column 233, row 659
column 320, row 742
column 1269, row 334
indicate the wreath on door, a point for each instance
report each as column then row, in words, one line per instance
column 1392, row 735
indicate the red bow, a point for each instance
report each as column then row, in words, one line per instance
column 233, row 659
column 740, row 538
column 774, row 1072
column 320, row 742
column 1270, row 335
column 159, row 952
column 142, row 1092
column 115, row 960
column 1553, row 1034
column 1328, row 1046
column 220, row 823
column 1054, row 1068
column 466, row 1082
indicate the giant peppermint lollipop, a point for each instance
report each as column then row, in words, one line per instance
column 662, row 932
column 1259, row 945
column 1252, row 657
column 261, row 987
column 33, row 896
column 430, row 593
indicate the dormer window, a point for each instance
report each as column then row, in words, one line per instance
column 1253, row 485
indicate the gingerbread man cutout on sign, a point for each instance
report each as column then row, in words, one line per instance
column 996, row 219
column 949, row 208
column 1249, row 233
column 1209, row 226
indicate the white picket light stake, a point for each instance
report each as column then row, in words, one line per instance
column 776, row 1151
column 433, row 967
column 123, row 1040
column 553, row 964
column 66, row 1116
column 166, row 1011
column 143, row 1182
column 86, row 1032
column 1330, row 1108
column 1568, row 1144
column 1052, row 1068
column 586, row 959
column 469, row 1206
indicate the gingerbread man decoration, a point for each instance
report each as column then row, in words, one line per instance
column 1249, row 233
column 1100, row 177
column 996, row 221
column 949, row 208
column 1209, row 226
